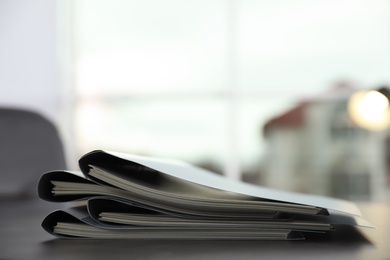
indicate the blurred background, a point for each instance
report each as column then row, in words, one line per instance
column 286, row 94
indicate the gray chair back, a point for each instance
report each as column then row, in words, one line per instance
column 30, row 145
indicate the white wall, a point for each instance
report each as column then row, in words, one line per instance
column 29, row 74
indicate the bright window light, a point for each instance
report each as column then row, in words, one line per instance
column 370, row 109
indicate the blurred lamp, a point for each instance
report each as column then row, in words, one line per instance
column 370, row 109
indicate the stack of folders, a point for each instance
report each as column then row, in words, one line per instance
column 122, row 196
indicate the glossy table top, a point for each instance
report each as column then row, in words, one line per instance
column 23, row 238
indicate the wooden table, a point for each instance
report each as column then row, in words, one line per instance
column 23, row 238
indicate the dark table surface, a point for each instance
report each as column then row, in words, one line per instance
column 23, row 238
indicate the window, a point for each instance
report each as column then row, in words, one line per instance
column 197, row 80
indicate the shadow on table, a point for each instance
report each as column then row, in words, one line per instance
column 345, row 242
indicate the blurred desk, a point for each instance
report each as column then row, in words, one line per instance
column 23, row 238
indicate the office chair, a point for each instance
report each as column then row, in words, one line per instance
column 30, row 145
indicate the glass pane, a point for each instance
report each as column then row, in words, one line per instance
column 191, row 129
column 149, row 46
column 315, row 146
column 303, row 46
